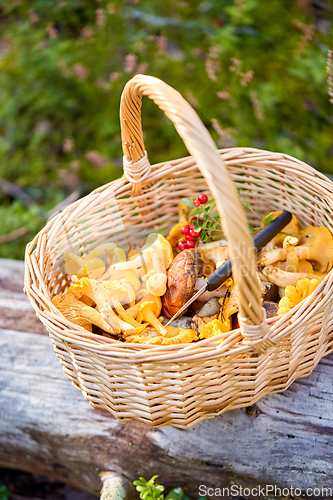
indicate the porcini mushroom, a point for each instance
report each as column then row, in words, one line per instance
column 182, row 277
column 147, row 312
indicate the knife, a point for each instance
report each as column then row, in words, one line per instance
column 222, row 273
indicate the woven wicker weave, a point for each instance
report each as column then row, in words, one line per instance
column 183, row 384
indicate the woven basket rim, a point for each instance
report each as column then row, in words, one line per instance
column 77, row 334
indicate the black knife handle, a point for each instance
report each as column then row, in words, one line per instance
column 261, row 239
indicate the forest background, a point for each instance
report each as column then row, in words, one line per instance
column 259, row 74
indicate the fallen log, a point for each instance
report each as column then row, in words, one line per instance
column 47, row 427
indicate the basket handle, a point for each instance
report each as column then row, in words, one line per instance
column 201, row 146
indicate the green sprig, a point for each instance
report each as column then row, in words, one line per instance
column 208, row 219
column 148, row 489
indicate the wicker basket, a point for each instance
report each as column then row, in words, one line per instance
column 181, row 385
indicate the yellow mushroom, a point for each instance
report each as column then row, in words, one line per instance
column 229, row 304
column 79, row 313
column 133, row 311
column 93, row 268
column 223, row 323
column 74, row 264
column 281, row 278
column 173, row 336
column 175, row 234
column 102, row 292
column 291, row 229
column 317, row 246
column 214, row 328
column 292, row 260
column 147, row 312
column 105, row 248
column 294, row 294
column 82, row 288
column 127, row 318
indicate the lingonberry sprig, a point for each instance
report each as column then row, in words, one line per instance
column 205, row 222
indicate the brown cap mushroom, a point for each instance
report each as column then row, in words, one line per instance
column 182, row 278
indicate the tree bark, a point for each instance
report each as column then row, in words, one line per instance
column 47, row 427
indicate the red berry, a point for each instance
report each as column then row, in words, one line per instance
column 197, row 203
column 203, row 198
column 195, row 234
column 185, row 230
column 191, row 227
column 182, row 245
column 194, row 219
column 190, row 244
column 188, row 237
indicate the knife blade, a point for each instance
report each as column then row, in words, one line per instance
column 222, row 273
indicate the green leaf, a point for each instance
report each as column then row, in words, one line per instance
column 188, row 202
column 139, row 483
column 4, row 493
column 268, row 219
column 175, row 494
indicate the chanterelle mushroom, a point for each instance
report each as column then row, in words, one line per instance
column 79, row 313
column 290, row 229
column 134, row 310
column 173, row 336
column 283, row 278
column 317, row 246
column 295, row 294
column 217, row 254
column 147, row 312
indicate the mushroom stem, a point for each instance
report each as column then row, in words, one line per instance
column 283, row 278
column 292, row 260
column 125, row 316
column 133, row 311
column 110, row 317
column 156, row 283
column 149, row 317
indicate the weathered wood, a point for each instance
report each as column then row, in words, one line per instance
column 47, row 427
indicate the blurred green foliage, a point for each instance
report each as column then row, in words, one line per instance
column 254, row 70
